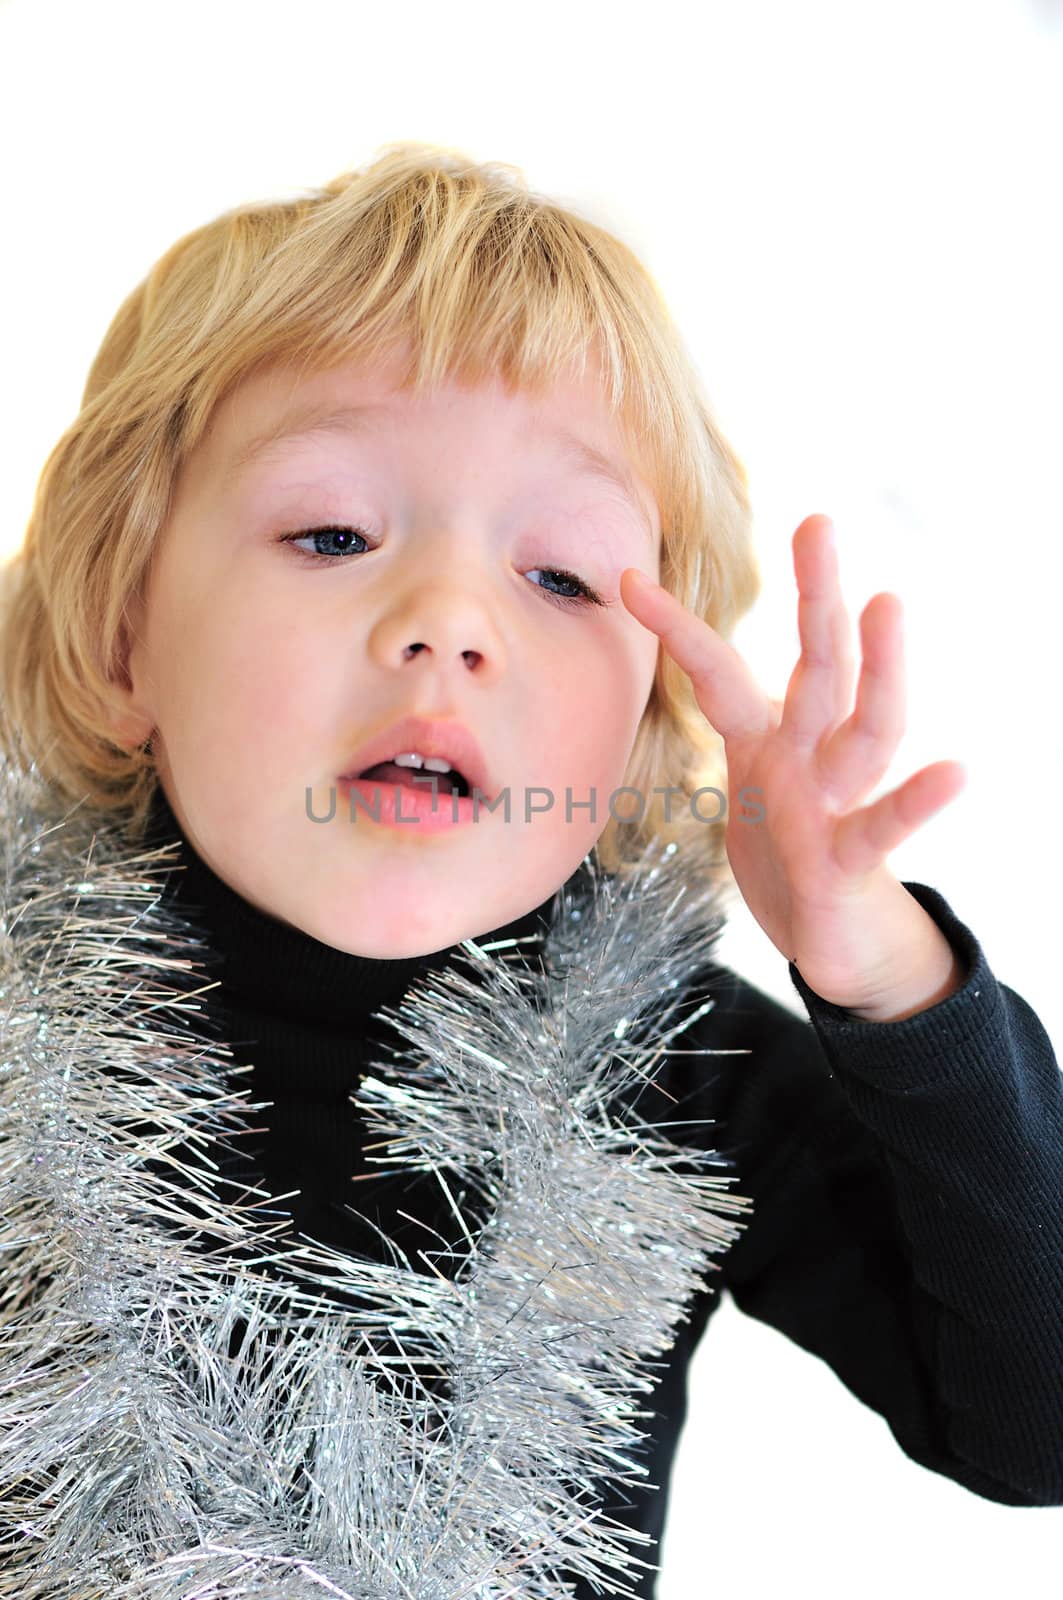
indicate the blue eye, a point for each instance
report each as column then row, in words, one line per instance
column 584, row 595
column 332, row 532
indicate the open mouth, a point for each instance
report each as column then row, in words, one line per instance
column 448, row 782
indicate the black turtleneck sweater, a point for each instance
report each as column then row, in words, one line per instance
column 907, row 1177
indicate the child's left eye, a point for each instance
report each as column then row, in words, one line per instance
column 583, row 596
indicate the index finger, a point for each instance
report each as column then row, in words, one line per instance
column 724, row 686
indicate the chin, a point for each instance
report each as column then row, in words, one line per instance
column 393, row 938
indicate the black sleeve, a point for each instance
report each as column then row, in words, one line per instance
column 908, row 1212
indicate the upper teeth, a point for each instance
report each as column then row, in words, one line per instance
column 413, row 759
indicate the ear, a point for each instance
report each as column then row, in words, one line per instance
column 128, row 708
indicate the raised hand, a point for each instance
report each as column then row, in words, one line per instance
column 813, row 869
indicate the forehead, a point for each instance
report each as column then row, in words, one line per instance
column 280, row 396
column 275, row 411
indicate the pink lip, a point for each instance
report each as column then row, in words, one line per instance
column 445, row 739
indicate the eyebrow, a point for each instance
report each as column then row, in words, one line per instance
column 321, row 420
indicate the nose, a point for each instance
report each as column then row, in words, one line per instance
column 444, row 626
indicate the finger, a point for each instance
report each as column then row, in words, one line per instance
column 863, row 839
column 724, row 686
column 820, row 690
column 858, row 753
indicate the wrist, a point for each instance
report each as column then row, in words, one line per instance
column 938, row 974
column 899, row 960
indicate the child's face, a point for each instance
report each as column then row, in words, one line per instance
column 265, row 666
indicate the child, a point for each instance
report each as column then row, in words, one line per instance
column 417, row 467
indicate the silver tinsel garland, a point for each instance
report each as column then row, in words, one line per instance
column 141, row 1454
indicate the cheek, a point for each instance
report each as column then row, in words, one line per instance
column 646, row 651
column 233, row 672
column 590, row 706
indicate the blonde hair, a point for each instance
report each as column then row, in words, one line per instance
column 422, row 248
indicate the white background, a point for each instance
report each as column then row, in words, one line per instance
column 853, row 211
